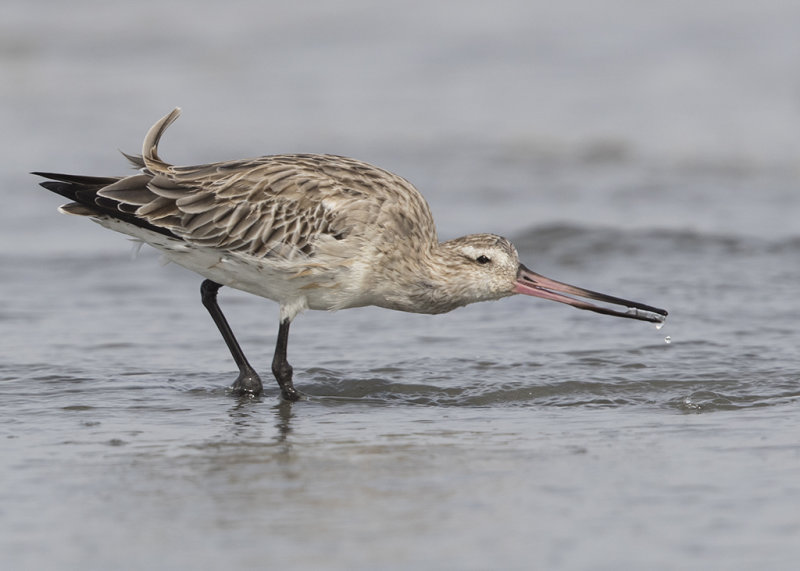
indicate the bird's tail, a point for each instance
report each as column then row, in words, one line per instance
column 117, row 197
column 82, row 190
column 87, row 200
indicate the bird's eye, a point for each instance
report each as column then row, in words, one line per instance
column 483, row 259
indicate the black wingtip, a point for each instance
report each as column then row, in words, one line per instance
column 64, row 189
column 94, row 181
column 82, row 191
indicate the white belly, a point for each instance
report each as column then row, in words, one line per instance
column 296, row 286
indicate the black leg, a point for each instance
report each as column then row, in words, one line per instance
column 281, row 367
column 248, row 381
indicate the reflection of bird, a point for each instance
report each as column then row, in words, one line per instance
column 310, row 232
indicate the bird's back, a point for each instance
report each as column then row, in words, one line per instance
column 291, row 223
column 284, row 205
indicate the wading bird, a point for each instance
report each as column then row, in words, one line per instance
column 309, row 232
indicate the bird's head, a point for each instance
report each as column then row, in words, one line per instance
column 482, row 267
column 486, row 266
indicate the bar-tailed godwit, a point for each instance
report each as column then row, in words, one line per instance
column 309, row 232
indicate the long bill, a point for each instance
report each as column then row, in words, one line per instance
column 531, row 283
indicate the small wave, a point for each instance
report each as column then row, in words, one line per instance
column 684, row 395
column 589, row 381
column 573, row 241
column 710, row 401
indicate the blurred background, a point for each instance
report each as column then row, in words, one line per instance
column 669, row 110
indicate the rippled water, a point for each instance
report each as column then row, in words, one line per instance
column 516, row 434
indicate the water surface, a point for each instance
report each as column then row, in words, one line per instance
column 650, row 155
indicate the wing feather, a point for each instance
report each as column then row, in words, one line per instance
column 280, row 205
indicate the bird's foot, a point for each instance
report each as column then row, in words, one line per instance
column 290, row 393
column 248, row 383
column 283, row 374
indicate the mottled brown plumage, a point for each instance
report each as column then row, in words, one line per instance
column 308, row 231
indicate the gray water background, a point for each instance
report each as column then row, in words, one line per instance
column 648, row 150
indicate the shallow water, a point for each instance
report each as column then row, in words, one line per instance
column 517, row 434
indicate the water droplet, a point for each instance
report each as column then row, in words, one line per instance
column 667, row 339
column 659, row 325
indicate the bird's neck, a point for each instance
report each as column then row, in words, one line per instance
column 428, row 283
